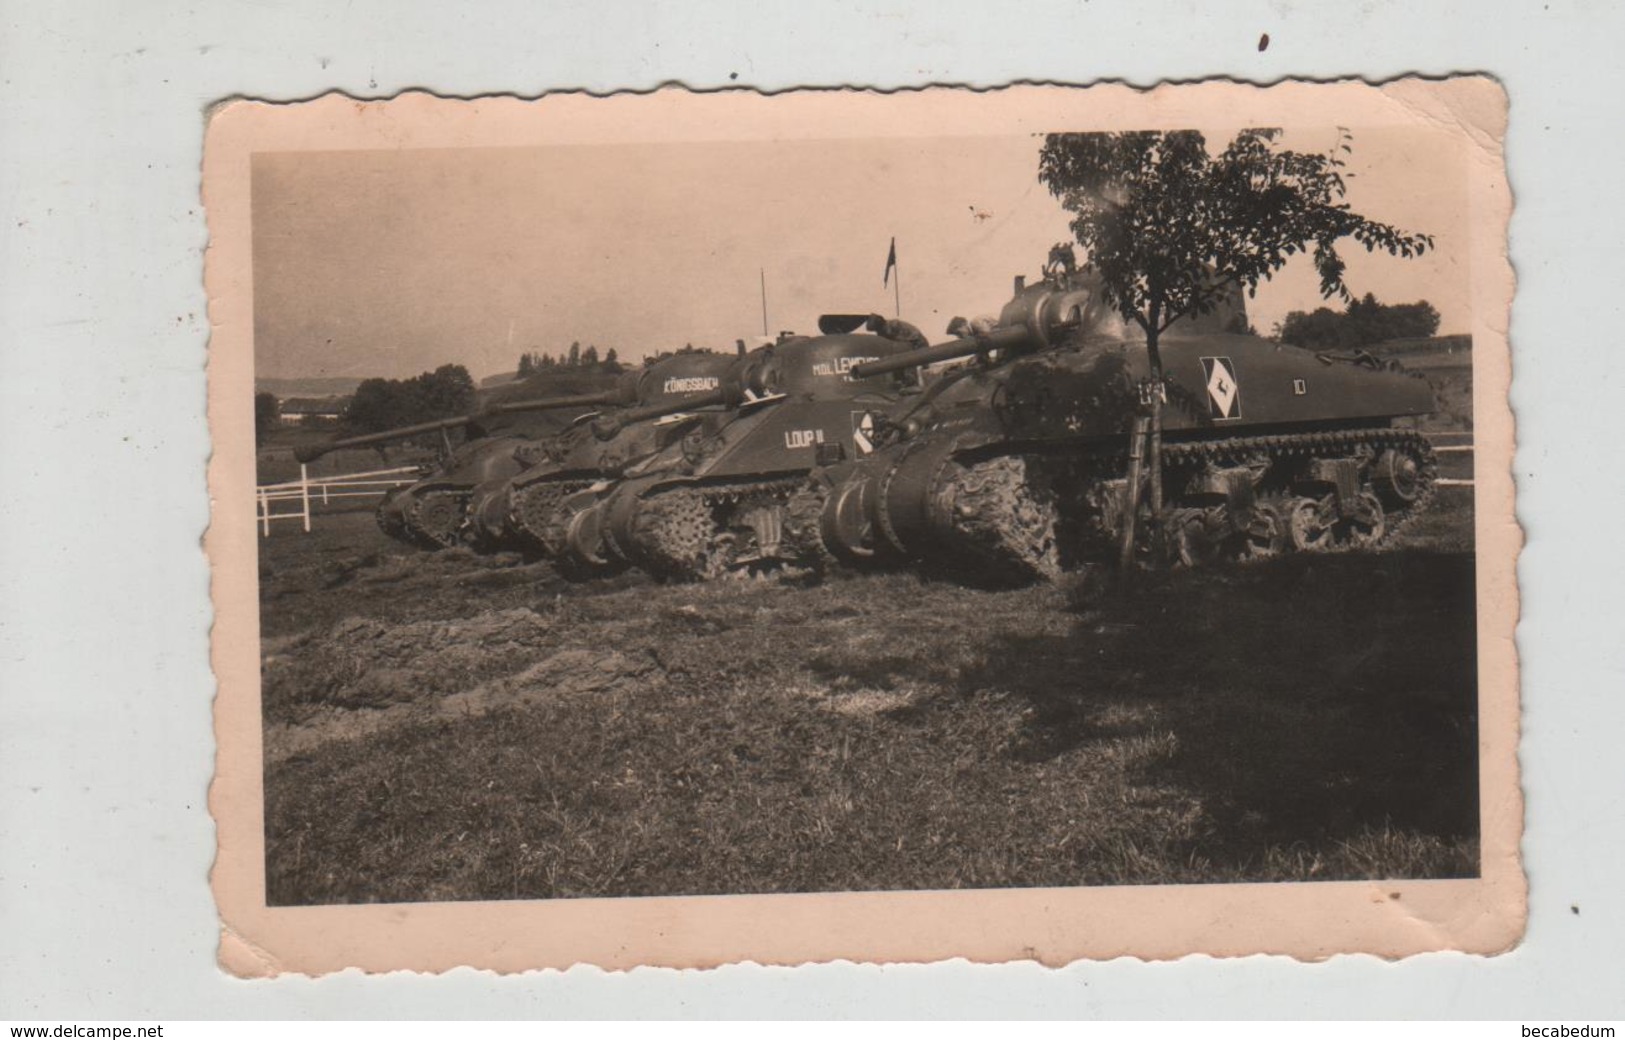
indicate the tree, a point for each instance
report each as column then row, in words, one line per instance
column 374, row 406
column 267, row 416
column 1172, row 230
column 527, row 364
column 589, row 357
column 612, row 363
column 447, row 391
column 1364, row 322
column 1322, row 327
column 575, row 354
column 1416, row 320
column 383, row 404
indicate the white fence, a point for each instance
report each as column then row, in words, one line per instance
column 325, row 489
column 1452, row 449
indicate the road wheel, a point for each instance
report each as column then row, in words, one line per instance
column 1310, row 524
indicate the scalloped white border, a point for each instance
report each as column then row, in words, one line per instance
column 1052, row 926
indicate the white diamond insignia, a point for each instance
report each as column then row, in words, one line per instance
column 863, row 432
column 1221, row 387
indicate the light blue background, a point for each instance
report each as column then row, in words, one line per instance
column 105, row 746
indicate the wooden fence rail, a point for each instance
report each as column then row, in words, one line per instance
column 325, row 489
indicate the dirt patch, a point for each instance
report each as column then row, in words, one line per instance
column 568, row 673
column 366, row 662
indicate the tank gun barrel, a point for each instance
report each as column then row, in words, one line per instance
column 1032, row 320
column 312, row 452
column 998, row 339
column 610, row 425
column 539, row 404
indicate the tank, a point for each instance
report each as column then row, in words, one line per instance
column 432, row 513
column 1015, row 465
column 714, row 502
column 526, row 509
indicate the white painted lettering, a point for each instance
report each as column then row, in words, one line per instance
column 689, row 384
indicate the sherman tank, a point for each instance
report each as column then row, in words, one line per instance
column 1016, row 464
column 433, row 512
column 715, row 501
column 529, row 509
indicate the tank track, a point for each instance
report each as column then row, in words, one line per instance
column 803, row 517
column 1285, row 448
column 391, row 521
column 438, row 519
column 534, row 512
column 1014, row 518
column 1005, row 519
column 701, row 533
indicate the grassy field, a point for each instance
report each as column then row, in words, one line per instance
column 444, row 726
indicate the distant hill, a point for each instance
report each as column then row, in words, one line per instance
column 552, row 383
column 319, row 386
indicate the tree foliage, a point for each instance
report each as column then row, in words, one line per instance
column 533, row 363
column 267, row 416
column 1172, row 230
column 383, row 404
column 1364, row 322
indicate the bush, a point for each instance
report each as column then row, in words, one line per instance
column 1365, row 322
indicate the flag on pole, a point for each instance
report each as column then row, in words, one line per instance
column 891, row 262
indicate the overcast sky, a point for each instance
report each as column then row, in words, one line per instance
column 389, row 263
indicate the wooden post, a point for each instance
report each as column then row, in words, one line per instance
column 304, row 494
column 1154, row 455
column 1131, row 494
column 265, row 515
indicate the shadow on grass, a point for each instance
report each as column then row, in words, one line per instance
column 1310, row 718
column 1312, row 700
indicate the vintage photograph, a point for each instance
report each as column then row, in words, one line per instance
column 1065, row 503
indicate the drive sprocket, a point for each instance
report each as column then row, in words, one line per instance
column 674, row 537
column 803, row 534
column 391, row 515
column 536, row 513
column 436, row 518
column 1004, row 518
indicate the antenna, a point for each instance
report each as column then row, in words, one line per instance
column 763, row 272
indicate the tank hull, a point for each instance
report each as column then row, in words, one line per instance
column 433, row 513
column 1018, row 470
column 720, row 503
column 530, row 510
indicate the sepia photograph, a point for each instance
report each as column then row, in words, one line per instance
column 1090, row 501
